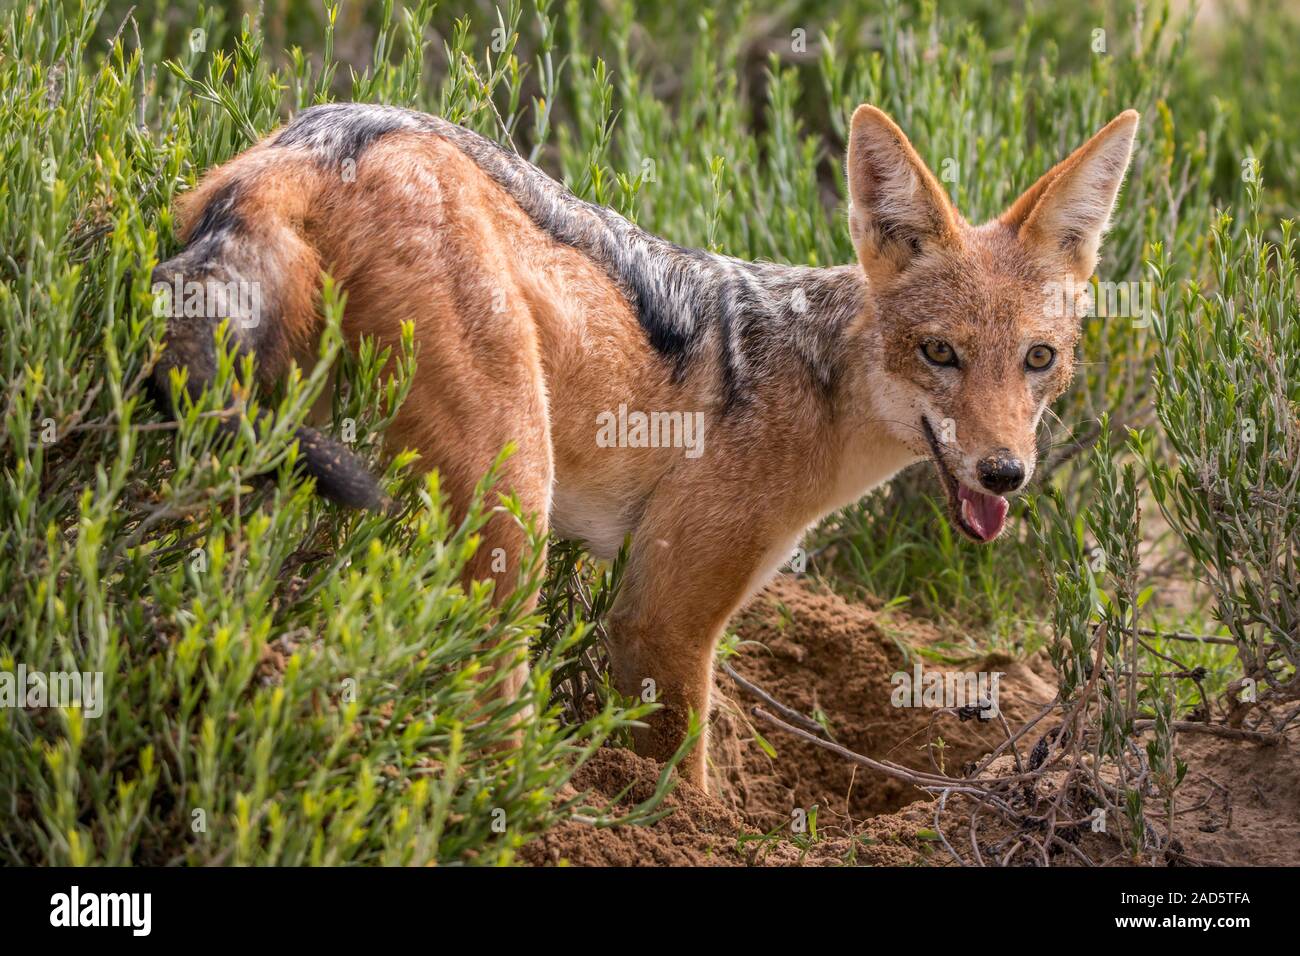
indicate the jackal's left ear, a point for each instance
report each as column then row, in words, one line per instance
column 1066, row 213
column 897, row 206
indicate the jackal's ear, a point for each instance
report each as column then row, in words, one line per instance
column 1066, row 213
column 896, row 205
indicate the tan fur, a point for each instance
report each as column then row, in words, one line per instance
column 521, row 339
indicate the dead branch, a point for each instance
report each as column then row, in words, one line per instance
column 1214, row 730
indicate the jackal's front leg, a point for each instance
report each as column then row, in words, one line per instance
column 690, row 568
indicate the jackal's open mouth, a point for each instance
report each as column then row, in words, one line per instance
column 979, row 516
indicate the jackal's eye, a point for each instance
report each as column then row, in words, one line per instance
column 1040, row 358
column 939, row 352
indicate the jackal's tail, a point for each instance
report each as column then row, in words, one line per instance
column 245, row 260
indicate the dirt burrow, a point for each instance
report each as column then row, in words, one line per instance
column 819, row 654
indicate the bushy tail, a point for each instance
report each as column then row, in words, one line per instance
column 245, row 261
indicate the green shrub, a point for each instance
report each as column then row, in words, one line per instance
column 1228, row 398
column 1108, row 676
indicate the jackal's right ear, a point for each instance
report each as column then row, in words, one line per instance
column 1064, row 215
column 897, row 207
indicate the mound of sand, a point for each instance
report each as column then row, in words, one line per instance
column 818, row 654
column 822, row 656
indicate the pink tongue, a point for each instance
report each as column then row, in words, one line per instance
column 984, row 514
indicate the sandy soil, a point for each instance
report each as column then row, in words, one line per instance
column 823, row 656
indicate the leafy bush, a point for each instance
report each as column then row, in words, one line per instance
column 1108, row 675
column 1228, row 399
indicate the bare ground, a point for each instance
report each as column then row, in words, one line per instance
column 777, row 800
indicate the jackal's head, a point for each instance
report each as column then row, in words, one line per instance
column 974, row 327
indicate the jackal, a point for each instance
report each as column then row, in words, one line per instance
column 549, row 322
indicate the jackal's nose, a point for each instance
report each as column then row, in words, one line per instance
column 1001, row 472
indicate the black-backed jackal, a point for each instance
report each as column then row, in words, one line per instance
column 711, row 407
